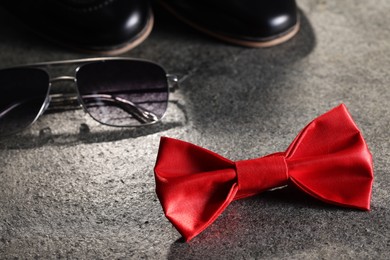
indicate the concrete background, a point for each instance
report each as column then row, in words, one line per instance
column 66, row 193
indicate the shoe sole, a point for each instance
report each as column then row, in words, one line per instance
column 266, row 42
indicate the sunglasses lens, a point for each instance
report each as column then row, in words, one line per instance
column 123, row 92
column 23, row 94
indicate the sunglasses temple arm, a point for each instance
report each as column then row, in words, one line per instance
column 139, row 113
column 61, row 102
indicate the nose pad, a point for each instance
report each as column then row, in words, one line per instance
column 173, row 82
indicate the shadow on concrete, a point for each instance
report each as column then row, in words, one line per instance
column 21, row 43
column 283, row 224
column 27, row 141
column 225, row 83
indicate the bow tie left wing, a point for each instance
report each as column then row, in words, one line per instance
column 193, row 184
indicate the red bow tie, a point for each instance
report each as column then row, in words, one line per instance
column 329, row 160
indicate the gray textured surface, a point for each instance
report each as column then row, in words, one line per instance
column 91, row 195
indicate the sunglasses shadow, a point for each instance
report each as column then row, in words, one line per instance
column 45, row 137
column 89, row 131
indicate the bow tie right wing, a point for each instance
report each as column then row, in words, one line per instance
column 330, row 160
column 193, row 184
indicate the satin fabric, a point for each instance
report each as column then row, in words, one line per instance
column 329, row 160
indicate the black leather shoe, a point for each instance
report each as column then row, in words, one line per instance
column 251, row 23
column 98, row 26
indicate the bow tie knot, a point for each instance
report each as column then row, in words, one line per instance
column 257, row 175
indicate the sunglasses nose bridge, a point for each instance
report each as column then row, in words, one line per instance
column 63, row 78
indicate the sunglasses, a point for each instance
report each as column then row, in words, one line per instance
column 113, row 91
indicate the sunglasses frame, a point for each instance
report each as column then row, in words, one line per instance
column 172, row 84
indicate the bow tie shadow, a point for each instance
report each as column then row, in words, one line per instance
column 272, row 223
column 291, row 196
column 288, row 197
